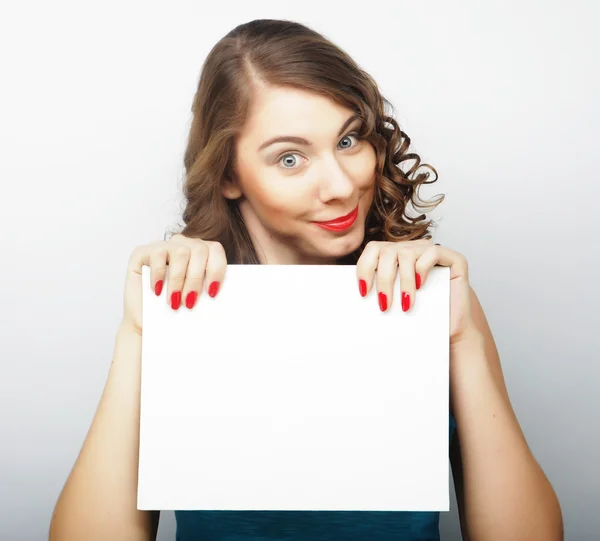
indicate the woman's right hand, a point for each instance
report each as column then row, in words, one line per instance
column 194, row 264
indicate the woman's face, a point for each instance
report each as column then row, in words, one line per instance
column 319, row 173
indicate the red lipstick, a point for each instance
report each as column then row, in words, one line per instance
column 340, row 224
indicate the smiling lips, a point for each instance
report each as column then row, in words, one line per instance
column 340, row 224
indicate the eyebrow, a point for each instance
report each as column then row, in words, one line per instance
column 302, row 141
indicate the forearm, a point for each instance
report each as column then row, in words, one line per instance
column 99, row 500
column 506, row 494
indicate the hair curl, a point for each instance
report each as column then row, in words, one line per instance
column 286, row 53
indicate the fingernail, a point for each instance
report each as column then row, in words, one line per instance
column 418, row 280
column 190, row 300
column 362, row 287
column 158, row 287
column 213, row 289
column 175, row 300
column 405, row 301
column 382, row 302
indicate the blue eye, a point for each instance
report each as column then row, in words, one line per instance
column 348, row 136
column 286, row 160
column 289, row 161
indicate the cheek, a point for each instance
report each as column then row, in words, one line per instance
column 365, row 168
column 276, row 195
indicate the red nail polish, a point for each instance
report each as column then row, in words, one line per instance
column 175, row 300
column 158, row 287
column 362, row 287
column 213, row 289
column 190, row 300
column 405, row 301
column 418, row 280
column 382, row 302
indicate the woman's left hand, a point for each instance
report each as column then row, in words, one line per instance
column 414, row 259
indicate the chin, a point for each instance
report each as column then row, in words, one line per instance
column 341, row 246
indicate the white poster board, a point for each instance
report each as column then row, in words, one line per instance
column 290, row 391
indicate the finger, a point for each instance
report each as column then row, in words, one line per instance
column 366, row 265
column 215, row 267
column 157, row 259
column 438, row 255
column 406, row 268
column 196, row 269
column 179, row 257
column 387, row 268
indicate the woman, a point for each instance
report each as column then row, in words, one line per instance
column 292, row 159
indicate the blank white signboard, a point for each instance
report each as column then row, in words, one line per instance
column 290, row 391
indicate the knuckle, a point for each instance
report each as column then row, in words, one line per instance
column 134, row 254
column 387, row 252
column 182, row 240
column 137, row 255
column 200, row 250
column 217, row 248
column 161, row 251
column 179, row 250
column 140, row 250
column 385, row 278
column 404, row 252
column 176, row 282
column 178, row 237
column 195, row 277
column 372, row 245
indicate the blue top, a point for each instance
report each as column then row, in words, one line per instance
column 308, row 525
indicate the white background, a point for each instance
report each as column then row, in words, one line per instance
column 500, row 97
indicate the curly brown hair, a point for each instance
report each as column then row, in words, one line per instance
column 286, row 53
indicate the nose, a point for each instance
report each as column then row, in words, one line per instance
column 335, row 182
